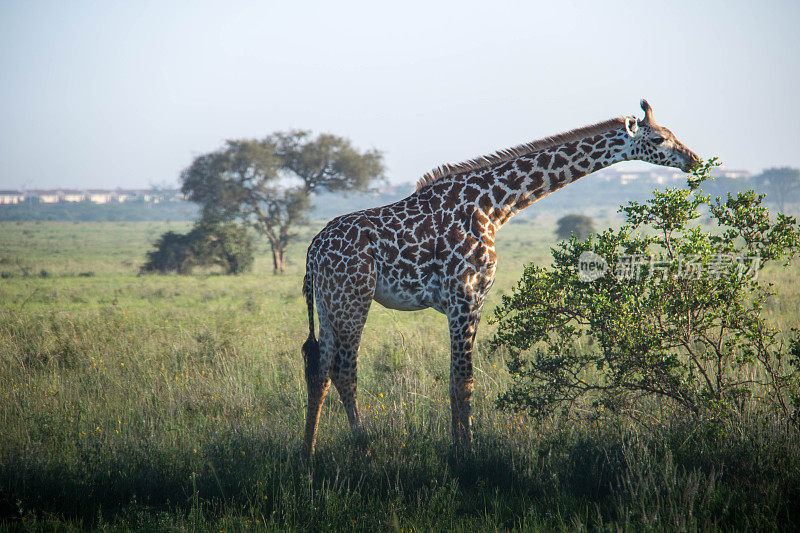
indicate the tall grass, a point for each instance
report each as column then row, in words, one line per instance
column 168, row 402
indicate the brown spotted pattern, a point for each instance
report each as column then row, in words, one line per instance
column 436, row 249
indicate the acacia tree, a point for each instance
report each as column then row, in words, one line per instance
column 267, row 183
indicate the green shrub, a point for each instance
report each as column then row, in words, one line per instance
column 226, row 244
column 173, row 253
column 659, row 308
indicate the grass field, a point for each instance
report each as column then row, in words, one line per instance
column 169, row 402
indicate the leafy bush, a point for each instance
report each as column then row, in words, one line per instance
column 659, row 308
column 580, row 225
column 226, row 244
column 173, row 253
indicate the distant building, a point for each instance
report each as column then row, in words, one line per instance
column 731, row 173
column 661, row 175
column 72, row 195
column 134, row 195
column 95, row 196
column 122, row 195
column 656, row 177
column 45, row 196
column 100, row 196
column 11, row 197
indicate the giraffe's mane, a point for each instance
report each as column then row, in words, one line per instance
column 514, row 152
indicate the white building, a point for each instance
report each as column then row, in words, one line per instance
column 46, row 196
column 73, row 195
column 100, row 196
column 11, row 197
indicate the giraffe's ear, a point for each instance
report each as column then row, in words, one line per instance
column 631, row 126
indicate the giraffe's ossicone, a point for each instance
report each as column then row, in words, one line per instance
column 435, row 249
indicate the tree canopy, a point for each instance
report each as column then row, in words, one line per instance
column 267, row 183
column 580, row 225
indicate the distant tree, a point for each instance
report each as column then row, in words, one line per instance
column 580, row 225
column 267, row 183
column 209, row 242
column 781, row 185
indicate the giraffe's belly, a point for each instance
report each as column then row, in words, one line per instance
column 389, row 297
column 408, row 296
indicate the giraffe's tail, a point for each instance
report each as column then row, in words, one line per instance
column 311, row 346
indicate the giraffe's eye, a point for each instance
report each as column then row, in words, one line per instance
column 657, row 140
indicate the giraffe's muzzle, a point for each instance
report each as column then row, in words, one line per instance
column 690, row 160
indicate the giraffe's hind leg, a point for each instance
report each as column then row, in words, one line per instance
column 348, row 324
column 339, row 343
column 342, row 306
column 345, row 378
column 318, row 383
column 317, row 392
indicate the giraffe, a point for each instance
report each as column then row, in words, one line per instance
column 436, row 249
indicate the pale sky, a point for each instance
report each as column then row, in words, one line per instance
column 124, row 94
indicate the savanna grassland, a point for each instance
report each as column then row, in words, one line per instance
column 177, row 402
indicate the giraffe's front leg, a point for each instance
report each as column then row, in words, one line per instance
column 463, row 327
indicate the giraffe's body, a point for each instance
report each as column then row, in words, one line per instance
column 435, row 249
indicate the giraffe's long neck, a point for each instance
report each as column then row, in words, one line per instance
column 515, row 184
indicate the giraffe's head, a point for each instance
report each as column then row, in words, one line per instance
column 656, row 144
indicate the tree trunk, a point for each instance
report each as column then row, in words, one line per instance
column 278, row 258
